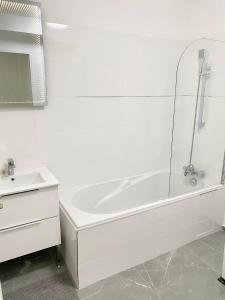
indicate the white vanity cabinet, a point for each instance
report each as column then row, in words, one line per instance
column 29, row 221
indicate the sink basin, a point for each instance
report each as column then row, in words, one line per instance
column 20, row 180
column 24, row 181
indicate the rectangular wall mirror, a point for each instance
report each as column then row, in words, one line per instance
column 15, row 78
column 22, row 70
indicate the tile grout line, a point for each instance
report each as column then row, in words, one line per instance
column 132, row 96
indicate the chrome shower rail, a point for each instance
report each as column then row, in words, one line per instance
column 204, row 75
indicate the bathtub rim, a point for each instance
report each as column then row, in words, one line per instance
column 70, row 210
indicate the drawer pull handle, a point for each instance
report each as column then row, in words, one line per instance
column 18, row 193
column 15, row 227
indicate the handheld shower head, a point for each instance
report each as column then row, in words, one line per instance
column 201, row 58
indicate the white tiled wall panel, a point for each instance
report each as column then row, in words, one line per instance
column 111, row 48
column 106, row 138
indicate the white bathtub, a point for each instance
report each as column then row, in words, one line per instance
column 95, row 203
column 112, row 226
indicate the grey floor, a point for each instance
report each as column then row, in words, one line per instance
column 188, row 273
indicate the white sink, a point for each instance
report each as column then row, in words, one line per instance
column 20, row 180
column 27, row 180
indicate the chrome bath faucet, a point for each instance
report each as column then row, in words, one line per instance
column 190, row 169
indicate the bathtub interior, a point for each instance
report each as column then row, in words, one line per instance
column 96, row 204
column 128, row 193
column 120, row 195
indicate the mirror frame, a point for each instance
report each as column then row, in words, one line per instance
column 36, row 58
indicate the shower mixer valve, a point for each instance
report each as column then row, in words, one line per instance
column 190, row 170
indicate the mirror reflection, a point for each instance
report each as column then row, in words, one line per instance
column 22, row 71
column 15, row 78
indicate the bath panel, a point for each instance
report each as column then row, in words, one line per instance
column 100, row 250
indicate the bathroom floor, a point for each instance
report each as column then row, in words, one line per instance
column 189, row 272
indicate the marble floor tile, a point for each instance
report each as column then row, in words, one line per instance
column 210, row 256
column 187, row 273
column 190, row 279
column 157, row 269
column 57, row 287
column 25, row 271
column 90, row 291
column 216, row 240
column 36, row 277
column 121, row 287
column 182, row 275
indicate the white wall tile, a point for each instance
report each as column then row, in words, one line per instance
column 85, row 62
column 18, row 137
column 105, row 138
column 205, row 18
column 210, row 141
column 150, row 18
column 189, row 68
column 122, row 48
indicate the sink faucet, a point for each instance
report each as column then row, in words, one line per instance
column 10, row 167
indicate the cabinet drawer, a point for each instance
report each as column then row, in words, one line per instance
column 28, row 238
column 25, row 207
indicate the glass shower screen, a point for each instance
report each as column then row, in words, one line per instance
column 197, row 151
